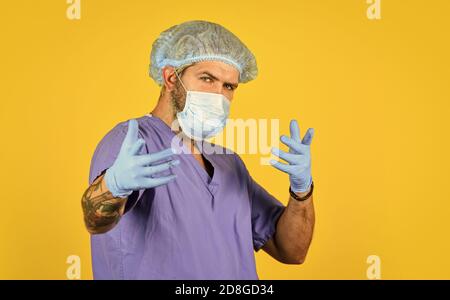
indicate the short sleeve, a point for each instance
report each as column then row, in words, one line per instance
column 106, row 153
column 265, row 209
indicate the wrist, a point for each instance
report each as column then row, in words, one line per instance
column 304, row 195
column 302, row 189
column 111, row 184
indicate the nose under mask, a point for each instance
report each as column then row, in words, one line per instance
column 204, row 114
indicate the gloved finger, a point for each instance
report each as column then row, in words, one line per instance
column 155, row 182
column 293, row 145
column 282, row 167
column 149, row 171
column 131, row 136
column 307, row 139
column 136, row 147
column 147, row 159
column 295, row 130
column 289, row 157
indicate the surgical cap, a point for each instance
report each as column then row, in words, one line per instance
column 195, row 41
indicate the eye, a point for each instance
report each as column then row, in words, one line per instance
column 230, row 87
column 204, row 77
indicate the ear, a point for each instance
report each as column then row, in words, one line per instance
column 169, row 77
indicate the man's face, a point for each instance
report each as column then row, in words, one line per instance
column 205, row 76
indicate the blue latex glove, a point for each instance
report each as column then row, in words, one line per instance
column 131, row 171
column 299, row 158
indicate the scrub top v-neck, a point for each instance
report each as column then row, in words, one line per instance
column 194, row 227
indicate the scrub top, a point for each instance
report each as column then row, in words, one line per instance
column 194, row 227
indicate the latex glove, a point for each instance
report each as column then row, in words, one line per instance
column 131, row 171
column 299, row 158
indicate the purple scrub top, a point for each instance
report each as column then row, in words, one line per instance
column 194, row 227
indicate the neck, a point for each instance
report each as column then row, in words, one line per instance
column 164, row 111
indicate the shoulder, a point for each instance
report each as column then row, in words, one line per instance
column 108, row 147
column 119, row 130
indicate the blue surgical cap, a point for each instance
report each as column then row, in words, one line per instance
column 195, row 41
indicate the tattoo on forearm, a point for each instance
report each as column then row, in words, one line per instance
column 100, row 208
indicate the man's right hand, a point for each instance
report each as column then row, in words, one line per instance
column 132, row 171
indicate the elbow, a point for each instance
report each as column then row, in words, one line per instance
column 92, row 229
column 99, row 230
column 297, row 260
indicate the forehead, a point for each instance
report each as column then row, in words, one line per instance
column 219, row 69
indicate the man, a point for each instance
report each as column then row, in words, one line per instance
column 155, row 212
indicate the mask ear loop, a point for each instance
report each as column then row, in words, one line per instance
column 176, row 73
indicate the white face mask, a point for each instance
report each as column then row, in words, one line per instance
column 204, row 114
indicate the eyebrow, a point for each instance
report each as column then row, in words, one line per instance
column 235, row 85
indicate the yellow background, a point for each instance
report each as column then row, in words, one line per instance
column 376, row 92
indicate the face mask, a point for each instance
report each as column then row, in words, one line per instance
column 204, row 114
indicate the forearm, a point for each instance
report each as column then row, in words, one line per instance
column 295, row 229
column 102, row 211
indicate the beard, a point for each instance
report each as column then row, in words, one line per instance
column 178, row 99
